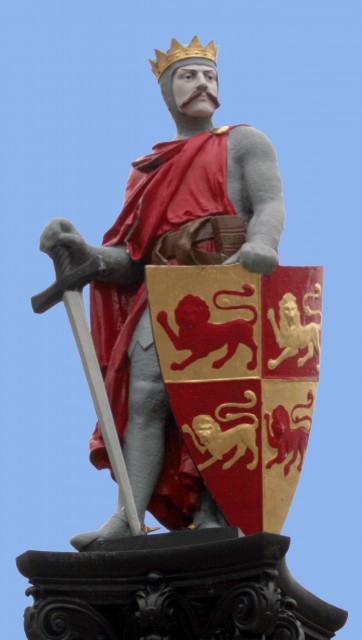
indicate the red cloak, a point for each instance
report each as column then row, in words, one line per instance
column 178, row 182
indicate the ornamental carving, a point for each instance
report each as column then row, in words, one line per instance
column 66, row 619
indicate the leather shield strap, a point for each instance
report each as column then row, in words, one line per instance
column 226, row 232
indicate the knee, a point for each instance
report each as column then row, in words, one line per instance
column 144, row 365
column 148, row 397
column 147, row 393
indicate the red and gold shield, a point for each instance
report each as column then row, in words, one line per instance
column 239, row 354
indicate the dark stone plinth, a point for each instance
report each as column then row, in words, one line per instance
column 180, row 586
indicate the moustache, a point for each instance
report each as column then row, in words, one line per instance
column 198, row 93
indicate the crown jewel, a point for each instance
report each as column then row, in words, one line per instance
column 178, row 51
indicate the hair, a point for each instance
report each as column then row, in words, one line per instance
column 199, row 421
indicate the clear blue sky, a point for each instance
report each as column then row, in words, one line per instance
column 78, row 104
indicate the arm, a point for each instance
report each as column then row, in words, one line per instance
column 253, row 171
column 272, row 320
column 121, row 268
column 177, row 342
column 186, row 429
column 271, row 439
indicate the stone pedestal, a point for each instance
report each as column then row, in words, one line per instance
column 187, row 585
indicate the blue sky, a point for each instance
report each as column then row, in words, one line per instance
column 78, row 104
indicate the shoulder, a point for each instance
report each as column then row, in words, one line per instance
column 245, row 142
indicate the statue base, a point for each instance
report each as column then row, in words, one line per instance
column 187, row 585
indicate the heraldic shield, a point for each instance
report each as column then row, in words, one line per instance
column 240, row 354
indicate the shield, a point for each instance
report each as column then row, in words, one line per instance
column 239, row 354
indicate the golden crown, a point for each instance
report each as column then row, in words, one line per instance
column 178, row 51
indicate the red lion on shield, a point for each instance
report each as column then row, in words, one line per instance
column 200, row 336
column 284, row 438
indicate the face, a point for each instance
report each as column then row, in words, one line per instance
column 290, row 310
column 188, row 318
column 204, row 428
column 195, row 90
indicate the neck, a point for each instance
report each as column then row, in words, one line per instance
column 187, row 127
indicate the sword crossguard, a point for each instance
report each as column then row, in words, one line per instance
column 67, row 279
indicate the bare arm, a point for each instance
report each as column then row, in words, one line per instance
column 255, row 187
column 121, row 268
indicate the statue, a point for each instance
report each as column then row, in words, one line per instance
column 210, row 196
column 203, row 363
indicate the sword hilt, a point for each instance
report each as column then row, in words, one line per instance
column 61, row 259
column 68, row 279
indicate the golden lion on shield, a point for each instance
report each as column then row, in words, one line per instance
column 218, row 443
column 291, row 335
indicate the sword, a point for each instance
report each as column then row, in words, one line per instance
column 68, row 287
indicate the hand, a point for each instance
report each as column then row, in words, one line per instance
column 255, row 257
column 62, row 232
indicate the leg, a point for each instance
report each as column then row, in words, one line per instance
column 252, row 364
column 279, row 458
column 145, row 436
column 143, row 448
column 287, row 353
column 209, row 515
column 302, row 448
column 308, row 355
column 240, row 451
column 291, row 461
column 207, row 463
column 231, row 348
column 317, row 347
column 254, row 463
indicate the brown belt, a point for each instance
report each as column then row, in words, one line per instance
column 226, row 232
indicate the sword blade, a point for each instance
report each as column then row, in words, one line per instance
column 73, row 302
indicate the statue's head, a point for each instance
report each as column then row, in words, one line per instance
column 188, row 79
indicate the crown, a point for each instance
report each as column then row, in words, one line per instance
column 178, row 51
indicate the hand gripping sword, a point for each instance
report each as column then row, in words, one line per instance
column 68, row 287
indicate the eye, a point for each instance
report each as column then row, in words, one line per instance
column 186, row 75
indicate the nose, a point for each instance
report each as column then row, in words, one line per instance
column 201, row 83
